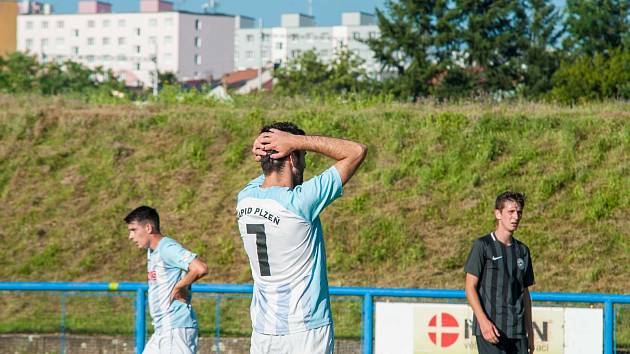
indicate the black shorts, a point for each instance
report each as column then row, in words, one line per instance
column 505, row 346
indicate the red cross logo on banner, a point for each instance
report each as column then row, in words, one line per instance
column 443, row 330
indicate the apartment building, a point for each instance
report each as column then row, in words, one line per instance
column 133, row 45
column 8, row 20
column 299, row 33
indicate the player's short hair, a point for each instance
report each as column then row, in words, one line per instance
column 268, row 164
column 144, row 215
column 516, row 197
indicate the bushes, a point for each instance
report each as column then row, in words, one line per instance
column 594, row 78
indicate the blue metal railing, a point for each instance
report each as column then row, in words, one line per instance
column 367, row 294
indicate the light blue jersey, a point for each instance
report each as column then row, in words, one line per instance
column 282, row 234
column 166, row 266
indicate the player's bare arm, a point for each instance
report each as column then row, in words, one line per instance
column 527, row 300
column 488, row 329
column 348, row 154
column 196, row 270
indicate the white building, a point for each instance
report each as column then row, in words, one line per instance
column 192, row 45
column 298, row 33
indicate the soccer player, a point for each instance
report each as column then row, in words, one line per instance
column 498, row 274
column 278, row 219
column 171, row 271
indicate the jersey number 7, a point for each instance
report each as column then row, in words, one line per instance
column 261, row 247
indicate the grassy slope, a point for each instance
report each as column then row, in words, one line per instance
column 69, row 172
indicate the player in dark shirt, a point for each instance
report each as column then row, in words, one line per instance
column 498, row 274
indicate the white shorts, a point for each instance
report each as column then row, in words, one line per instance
column 313, row 341
column 172, row 341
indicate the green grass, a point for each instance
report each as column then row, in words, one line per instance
column 70, row 171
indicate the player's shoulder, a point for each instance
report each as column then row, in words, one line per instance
column 484, row 241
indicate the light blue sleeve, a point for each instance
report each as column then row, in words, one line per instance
column 177, row 256
column 318, row 192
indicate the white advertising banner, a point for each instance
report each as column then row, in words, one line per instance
column 413, row 328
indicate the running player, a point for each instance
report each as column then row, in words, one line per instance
column 278, row 219
column 498, row 273
column 171, row 271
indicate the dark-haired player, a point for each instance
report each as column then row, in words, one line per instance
column 171, row 271
column 498, row 274
column 278, row 219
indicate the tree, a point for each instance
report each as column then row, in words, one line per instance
column 541, row 58
column 416, row 42
column 596, row 26
column 494, row 36
column 308, row 75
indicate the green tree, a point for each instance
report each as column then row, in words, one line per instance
column 416, row 43
column 18, row 73
column 494, row 36
column 308, row 75
column 541, row 58
column 593, row 78
column 596, row 26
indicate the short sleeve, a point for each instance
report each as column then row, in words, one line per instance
column 318, row 192
column 177, row 256
column 529, row 280
column 476, row 260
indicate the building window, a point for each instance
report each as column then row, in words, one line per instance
column 265, row 53
column 105, row 40
column 197, row 24
column 197, row 42
column 152, row 40
column 373, row 35
column 137, row 66
column 44, row 43
column 295, row 53
column 295, row 37
column 59, row 42
column 60, row 24
column 29, row 25
column 153, row 22
column 121, row 57
column 138, row 49
column 168, row 22
column 279, row 45
column 122, row 23
column 105, row 23
column 29, row 43
column 249, row 38
column 75, row 32
column 90, row 23
column 121, row 40
column 44, row 24
column 90, row 41
column 323, row 53
column 168, row 57
column 138, row 31
column 168, row 40
column 266, row 37
column 90, row 58
column 356, row 35
column 249, row 54
column 75, row 50
column 197, row 59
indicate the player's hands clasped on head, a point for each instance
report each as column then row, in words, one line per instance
column 277, row 140
column 258, row 148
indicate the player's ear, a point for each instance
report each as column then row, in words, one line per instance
column 148, row 227
column 497, row 214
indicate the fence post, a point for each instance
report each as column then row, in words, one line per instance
column 217, row 324
column 368, row 324
column 63, row 323
column 140, row 320
column 609, row 319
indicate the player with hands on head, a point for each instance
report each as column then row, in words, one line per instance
column 278, row 219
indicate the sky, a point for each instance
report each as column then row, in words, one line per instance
column 326, row 12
